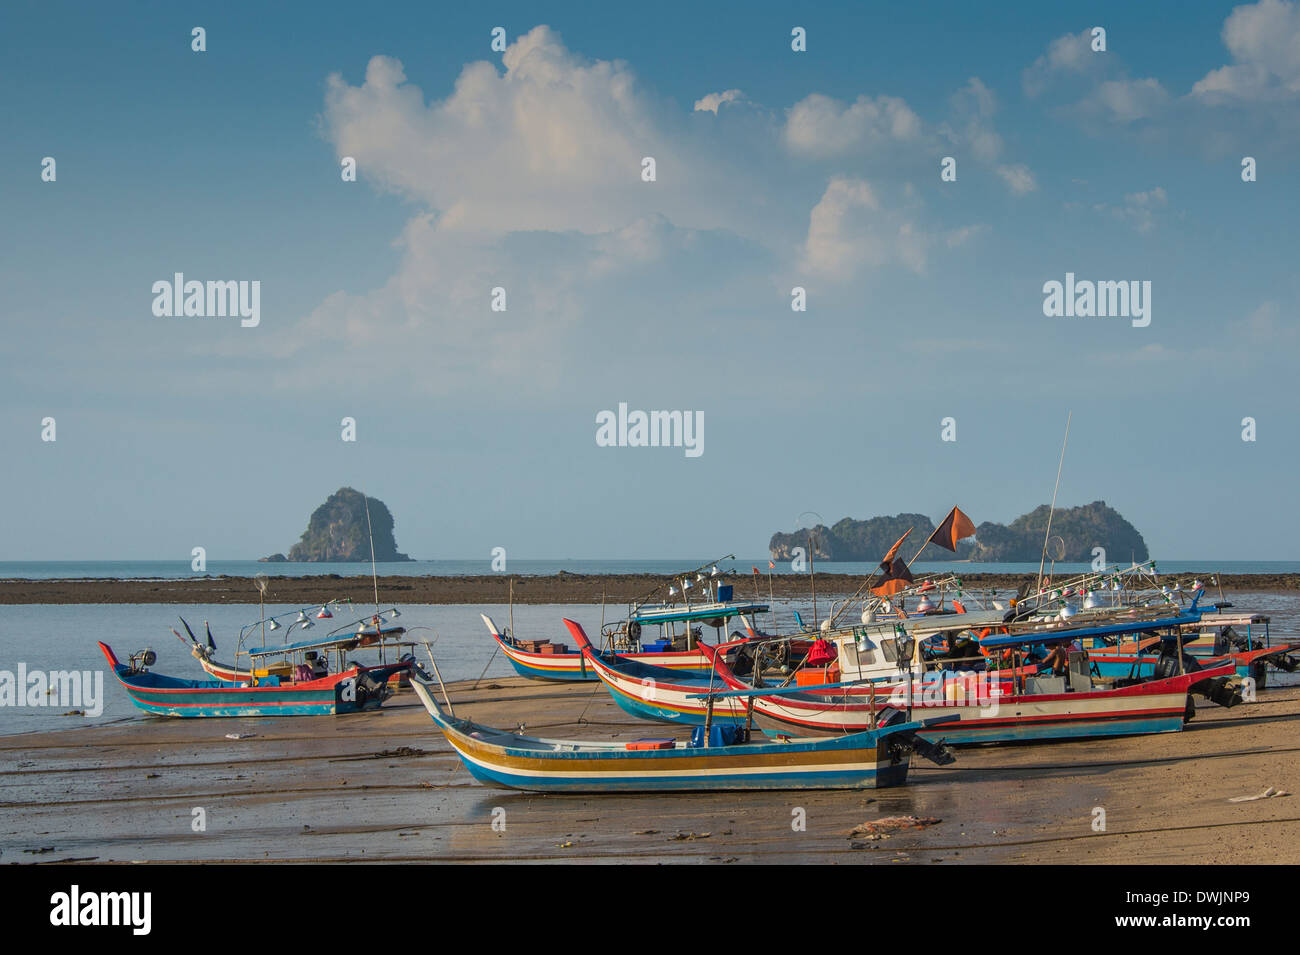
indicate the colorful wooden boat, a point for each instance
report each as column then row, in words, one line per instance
column 1037, row 708
column 365, row 633
column 868, row 760
column 1218, row 637
column 657, row 693
column 874, row 665
column 556, row 662
column 355, row 689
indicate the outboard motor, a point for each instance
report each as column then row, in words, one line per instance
column 1227, row 640
column 1167, row 665
column 743, row 663
column 1218, row 690
column 902, row 745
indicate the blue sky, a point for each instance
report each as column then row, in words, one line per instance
column 774, row 169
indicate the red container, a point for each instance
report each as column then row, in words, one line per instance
column 817, row 676
column 652, row 744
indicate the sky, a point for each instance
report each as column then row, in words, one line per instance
column 922, row 373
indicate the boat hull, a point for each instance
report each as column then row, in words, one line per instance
column 1157, row 706
column 360, row 688
column 1017, row 719
column 858, row 761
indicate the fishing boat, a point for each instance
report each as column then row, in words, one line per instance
column 542, row 660
column 677, row 629
column 1218, row 637
column 657, row 693
column 327, row 654
column 1000, row 706
column 357, row 688
column 719, row 761
column 1024, row 701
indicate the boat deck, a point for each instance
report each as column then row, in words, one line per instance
column 384, row 785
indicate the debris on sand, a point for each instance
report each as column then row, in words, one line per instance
column 877, row 829
column 1268, row 793
column 402, row 752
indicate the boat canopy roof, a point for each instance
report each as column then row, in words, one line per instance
column 1076, row 633
column 343, row 641
column 1225, row 619
column 676, row 613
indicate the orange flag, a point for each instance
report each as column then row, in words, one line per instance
column 953, row 528
column 897, row 577
column 893, row 551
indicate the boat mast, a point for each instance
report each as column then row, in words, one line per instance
column 812, row 579
column 1043, row 559
column 374, row 577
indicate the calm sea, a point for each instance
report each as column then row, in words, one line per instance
column 63, row 637
column 170, row 569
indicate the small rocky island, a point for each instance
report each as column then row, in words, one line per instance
column 337, row 532
column 1080, row 528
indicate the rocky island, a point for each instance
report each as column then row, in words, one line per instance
column 338, row 532
column 1080, row 528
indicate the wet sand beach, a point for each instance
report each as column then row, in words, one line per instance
column 383, row 786
column 491, row 588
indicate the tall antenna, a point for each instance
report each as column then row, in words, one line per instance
column 374, row 575
column 1042, row 560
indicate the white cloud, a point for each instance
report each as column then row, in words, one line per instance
column 527, row 175
column 1125, row 101
column 712, row 101
column 820, row 126
column 971, row 127
column 959, row 237
column 1019, row 178
column 849, row 230
column 555, row 142
column 1264, row 40
column 1071, row 54
column 1071, row 65
column 1139, row 208
column 1266, row 326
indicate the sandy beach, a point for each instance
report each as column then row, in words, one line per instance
column 384, row 786
column 490, row 588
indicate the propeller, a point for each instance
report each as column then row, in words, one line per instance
column 212, row 644
column 188, row 630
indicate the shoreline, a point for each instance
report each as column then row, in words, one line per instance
column 560, row 588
